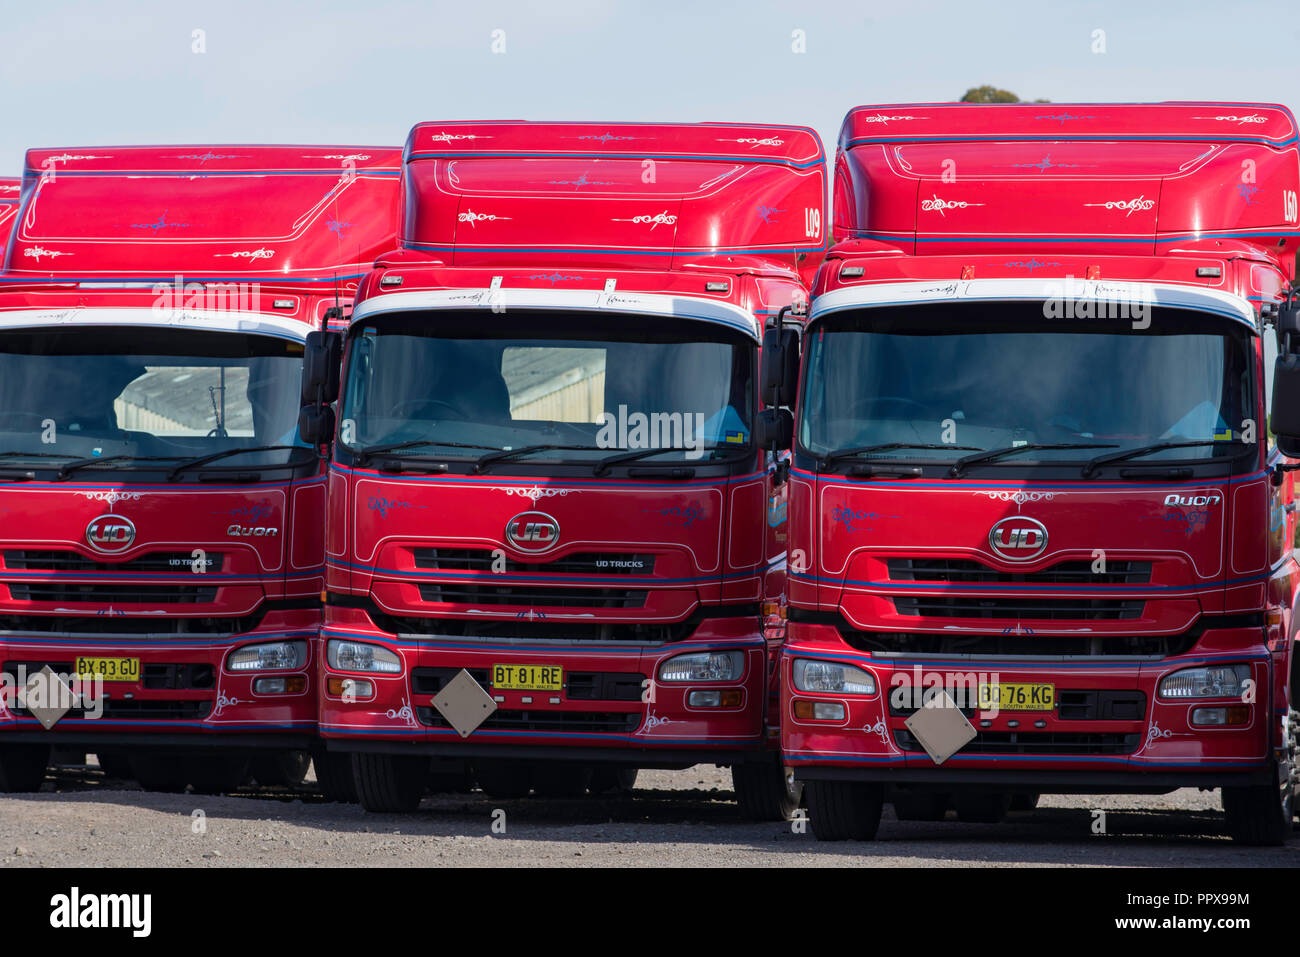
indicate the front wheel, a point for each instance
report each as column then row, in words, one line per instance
column 1260, row 816
column 22, row 767
column 389, row 782
column 334, row 776
column 765, row 791
column 844, row 810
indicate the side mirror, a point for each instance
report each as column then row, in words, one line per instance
column 316, row 424
column 1285, row 417
column 780, row 372
column 322, row 360
column 774, row 428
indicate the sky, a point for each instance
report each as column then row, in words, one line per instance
column 79, row 73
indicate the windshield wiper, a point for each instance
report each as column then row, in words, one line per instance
column 832, row 457
column 1093, row 465
column 960, row 465
column 500, row 455
column 78, row 464
column 227, row 453
column 605, row 464
column 365, row 454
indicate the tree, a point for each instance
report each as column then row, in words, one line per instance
column 991, row 94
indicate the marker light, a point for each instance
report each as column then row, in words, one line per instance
column 831, row 678
column 294, row 684
column 728, row 698
column 271, row 656
column 1221, row 717
column 705, row 666
column 358, row 689
column 1217, row 681
column 359, row 656
column 819, row 710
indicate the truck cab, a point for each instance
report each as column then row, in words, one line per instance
column 556, row 539
column 163, row 545
column 1041, row 534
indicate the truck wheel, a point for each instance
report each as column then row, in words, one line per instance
column 334, row 776
column 389, row 782
column 1024, row 801
column 504, row 779
column 114, row 764
column 982, row 807
column 921, row 805
column 22, row 767
column 607, row 779
column 844, row 810
column 217, row 773
column 281, row 768
column 165, row 774
column 1260, row 816
column 559, row 779
column 765, row 791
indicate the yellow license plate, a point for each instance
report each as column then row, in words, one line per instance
column 527, row 677
column 110, row 669
column 1014, row 696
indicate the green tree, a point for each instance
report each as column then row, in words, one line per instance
column 991, row 94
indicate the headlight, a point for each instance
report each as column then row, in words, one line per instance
column 358, row 656
column 272, row 656
column 829, row 677
column 707, row 666
column 1218, row 681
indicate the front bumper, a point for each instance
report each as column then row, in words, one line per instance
column 606, row 710
column 185, row 696
column 1109, row 731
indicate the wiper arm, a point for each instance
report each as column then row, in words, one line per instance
column 831, row 457
column 365, row 454
column 79, row 464
column 605, row 464
column 1094, row 464
column 227, row 453
column 960, row 465
column 500, row 455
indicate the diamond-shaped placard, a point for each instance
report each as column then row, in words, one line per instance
column 941, row 728
column 464, row 703
column 48, row 697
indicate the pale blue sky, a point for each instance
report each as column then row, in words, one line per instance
column 90, row 73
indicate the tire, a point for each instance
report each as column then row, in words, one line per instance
column 389, row 782
column 1022, row 801
column 22, row 767
column 765, row 791
column 334, row 776
column 921, row 805
column 165, row 774
column 281, row 768
column 611, row 779
column 1261, row 816
column 983, row 807
column 217, row 773
column 560, row 779
column 115, row 764
column 844, row 810
column 504, row 779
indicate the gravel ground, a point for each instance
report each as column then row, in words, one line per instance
column 673, row 818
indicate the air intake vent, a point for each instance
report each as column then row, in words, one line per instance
column 113, row 594
column 1062, row 573
column 1049, row 609
column 580, row 563
column 531, row 597
column 68, row 561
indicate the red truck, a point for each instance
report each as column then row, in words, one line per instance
column 161, row 522
column 1041, row 535
column 555, row 548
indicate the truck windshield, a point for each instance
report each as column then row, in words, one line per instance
column 550, row 387
column 958, row 377
column 146, row 397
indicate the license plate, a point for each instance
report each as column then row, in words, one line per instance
column 527, row 677
column 110, row 669
column 1014, row 696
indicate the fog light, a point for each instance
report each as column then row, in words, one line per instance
column 1221, row 717
column 295, row 684
column 715, row 699
column 819, row 710
column 357, row 689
